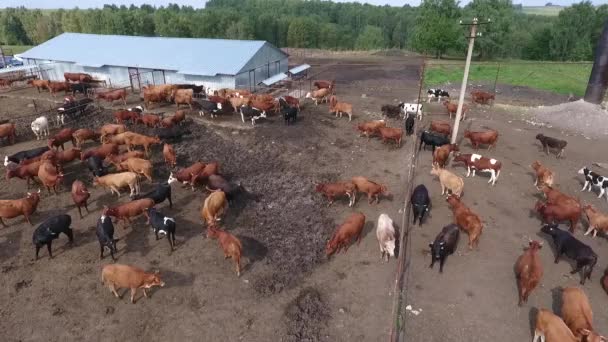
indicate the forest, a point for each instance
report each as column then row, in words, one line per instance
column 432, row 28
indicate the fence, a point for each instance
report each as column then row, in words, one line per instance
column 542, row 83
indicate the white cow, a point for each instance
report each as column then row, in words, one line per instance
column 413, row 108
column 40, row 127
column 385, row 232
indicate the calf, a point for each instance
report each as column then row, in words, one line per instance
column 597, row 221
column 161, row 193
column 169, row 155
column 49, row 230
column 162, row 225
column 389, row 133
column 448, row 181
column 385, row 233
column 40, row 127
column 126, row 211
column 452, row 108
column 445, row 244
column 409, row 125
column 433, row 139
column 528, row 270
column 488, row 138
column 340, row 108
column 333, row 190
column 117, row 276
column 550, row 327
column 567, row 244
column 24, row 206
column 593, row 179
column 95, row 165
column 544, row 176
column 7, row 131
column 231, row 246
column 370, row 128
column 214, row 207
column 466, row 219
column 547, row 142
column 476, row 162
column 555, row 213
column 24, row 155
column 441, row 127
column 351, row 229
column 442, row 154
column 105, row 236
column 420, row 202
column 80, row 196
column 578, row 315
column 372, row 189
column 118, row 180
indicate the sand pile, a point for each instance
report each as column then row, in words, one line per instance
column 578, row 116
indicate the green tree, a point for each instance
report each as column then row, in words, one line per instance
column 437, row 28
column 370, row 38
column 571, row 34
column 12, row 30
column 302, row 33
column 399, row 36
column 496, row 37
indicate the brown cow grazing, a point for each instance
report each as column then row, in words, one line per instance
column 466, row 219
column 555, row 213
column 24, row 206
column 528, row 271
column 49, row 176
column 77, row 77
column 333, row 190
column 117, row 159
column 24, row 171
column 577, row 314
column 349, row 231
column 126, row 211
column 8, row 130
column 372, row 189
column 117, row 276
column 319, row 95
column 61, row 138
column 182, row 96
column 150, row 120
column 369, row 128
column 118, row 180
column 118, row 139
column 39, row 84
column 550, row 327
column 212, row 168
column 544, row 176
column 340, row 108
column 488, row 138
column 597, row 220
column 80, row 196
column 134, row 139
column 453, row 107
column 111, row 129
column 482, row 97
column 102, row 151
column 139, row 166
column 442, row 153
column 475, row 162
column 125, row 115
column 389, row 133
column 441, row 127
column 231, row 246
column 187, row 175
column 169, row 155
column 214, row 207
column 55, row 87
column 113, row 95
column 84, row 134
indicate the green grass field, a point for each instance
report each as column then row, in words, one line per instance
column 12, row 49
column 562, row 78
column 542, row 10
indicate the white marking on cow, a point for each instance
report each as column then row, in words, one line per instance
column 103, row 218
column 475, row 157
column 162, row 232
column 5, row 160
column 493, row 161
column 168, row 219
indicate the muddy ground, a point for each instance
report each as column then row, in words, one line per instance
column 475, row 299
column 288, row 290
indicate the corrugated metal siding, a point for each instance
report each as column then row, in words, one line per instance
column 117, row 76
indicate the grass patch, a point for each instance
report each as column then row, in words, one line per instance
column 13, row 49
column 561, row 78
column 550, row 11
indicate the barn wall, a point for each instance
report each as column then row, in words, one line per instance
column 267, row 62
column 213, row 82
column 116, row 76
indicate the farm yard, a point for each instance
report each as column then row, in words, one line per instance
column 288, row 289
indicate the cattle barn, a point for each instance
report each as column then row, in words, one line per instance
column 124, row 61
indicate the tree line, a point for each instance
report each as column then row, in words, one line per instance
column 432, row 28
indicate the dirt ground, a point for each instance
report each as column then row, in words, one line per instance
column 288, row 290
column 475, row 299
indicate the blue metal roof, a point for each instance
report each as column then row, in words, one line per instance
column 191, row 56
column 274, row 79
column 299, row 69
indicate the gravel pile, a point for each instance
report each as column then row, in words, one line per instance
column 578, row 116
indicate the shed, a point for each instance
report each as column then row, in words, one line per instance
column 133, row 61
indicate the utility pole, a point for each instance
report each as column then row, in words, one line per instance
column 465, row 78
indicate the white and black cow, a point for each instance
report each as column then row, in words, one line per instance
column 593, row 179
column 251, row 112
column 411, row 108
column 437, row 93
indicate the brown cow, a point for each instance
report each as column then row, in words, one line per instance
column 102, row 151
column 135, row 139
column 150, row 120
column 442, row 153
column 80, row 196
column 577, row 313
column 48, row 175
column 61, row 138
column 214, row 207
column 169, row 155
column 118, row 180
column 466, row 219
column 24, row 206
column 187, row 175
column 550, row 327
column 543, row 174
column 182, row 96
column 139, row 166
column 488, row 138
column 333, row 190
column 564, row 211
column 372, row 189
column 39, row 84
column 24, row 171
column 442, row 127
column 113, row 95
column 84, row 134
column 111, row 129
column 117, row 276
column 54, row 87
column 126, row 211
column 528, row 271
column 77, row 77
column 351, row 229
column 231, row 246
column 390, row 133
column 453, row 107
column 8, row 130
column 370, row 128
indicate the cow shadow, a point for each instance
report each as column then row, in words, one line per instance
column 397, row 239
column 367, row 228
column 83, row 235
column 176, row 279
column 10, row 246
column 532, row 319
column 557, row 302
column 253, row 250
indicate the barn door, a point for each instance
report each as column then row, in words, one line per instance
column 134, row 79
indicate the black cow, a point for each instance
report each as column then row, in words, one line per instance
column 552, row 143
column 105, row 236
column 437, row 93
column 73, row 109
column 171, row 133
column 251, row 112
column 391, row 111
column 421, row 203
column 162, row 225
column 24, row 155
column 567, row 244
column 433, row 139
column 290, row 114
column 409, row 124
column 49, row 230
column 80, row 87
column 195, row 89
column 95, row 165
column 207, row 107
column 445, row 244
column 159, row 195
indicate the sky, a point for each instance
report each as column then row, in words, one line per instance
column 200, row 3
